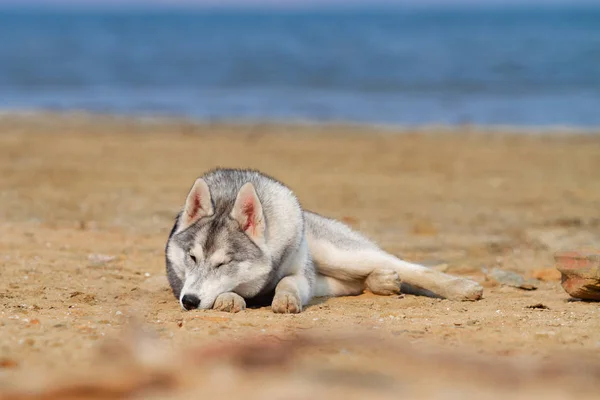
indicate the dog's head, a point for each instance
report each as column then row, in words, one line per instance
column 217, row 248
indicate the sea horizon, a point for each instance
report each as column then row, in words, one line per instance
column 519, row 66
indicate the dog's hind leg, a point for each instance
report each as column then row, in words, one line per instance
column 380, row 281
column 346, row 255
column 383, row 281
column 327, row 286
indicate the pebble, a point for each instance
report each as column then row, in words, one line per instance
column 510, row 278
column 580, row 273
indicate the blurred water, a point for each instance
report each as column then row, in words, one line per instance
column 518, row 67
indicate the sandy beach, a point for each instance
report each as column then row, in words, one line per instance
column 86, row 205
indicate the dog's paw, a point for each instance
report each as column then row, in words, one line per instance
column 229, row 302
column 384, row 282
column 286, row 303
column 464, row 290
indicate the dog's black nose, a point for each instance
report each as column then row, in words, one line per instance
column 190, row 302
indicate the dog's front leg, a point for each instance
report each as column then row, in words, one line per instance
column 291, row 293
column 229, row 302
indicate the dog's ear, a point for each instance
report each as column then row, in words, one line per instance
column 197, row 205
column 248, row 212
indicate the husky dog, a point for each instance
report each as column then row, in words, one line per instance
column 242, row 237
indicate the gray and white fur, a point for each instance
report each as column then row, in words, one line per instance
column 242, row 237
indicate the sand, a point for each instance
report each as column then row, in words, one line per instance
column 86, row 205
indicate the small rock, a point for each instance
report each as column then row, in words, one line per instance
column 580, row 272
column 510, row 278
column 538, row 306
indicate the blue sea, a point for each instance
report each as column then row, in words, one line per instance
column 519, row 67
